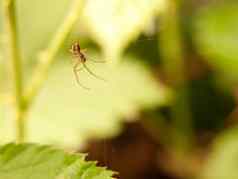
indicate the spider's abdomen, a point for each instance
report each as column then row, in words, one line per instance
column 82, row 57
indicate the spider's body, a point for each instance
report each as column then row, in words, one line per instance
column 80, row 59
column 76, row 51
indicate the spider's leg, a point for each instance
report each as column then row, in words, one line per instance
column 83, row 52
column 77, row 77
column 79, row 69
column 96, row 61
column 93, row 74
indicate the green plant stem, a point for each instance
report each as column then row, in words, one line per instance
column 172, row 52
column 46, row 57
column 16, row 72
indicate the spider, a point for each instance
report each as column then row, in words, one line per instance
column 80, row 58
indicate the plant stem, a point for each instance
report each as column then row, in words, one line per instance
column 16, row 72
column 172, row 52
column 46, row 57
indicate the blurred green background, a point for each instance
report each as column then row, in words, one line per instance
column 167, row 107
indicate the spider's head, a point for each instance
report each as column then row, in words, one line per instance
column 75, row 48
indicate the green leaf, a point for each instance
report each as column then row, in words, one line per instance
column 43, row 162
column 216, row 29
column 37, row 22
column 74, row 114
column 115, row 23
column 67, row 114
column 222, row 162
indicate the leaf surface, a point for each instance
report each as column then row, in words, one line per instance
column 43, row 162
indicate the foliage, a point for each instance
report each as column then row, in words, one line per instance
column 124, row 18
column 36, row 161
column 215, row 32
column 40, row 100
column 31, row 42
column 96, row 112
column 103, row 102
column 222, row 162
